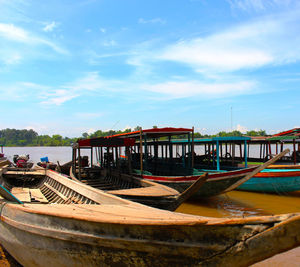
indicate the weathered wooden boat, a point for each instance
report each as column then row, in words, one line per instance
column 155, row 157
column 50, row 220
column 111, row 177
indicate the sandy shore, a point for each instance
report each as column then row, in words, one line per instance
column 289, row 258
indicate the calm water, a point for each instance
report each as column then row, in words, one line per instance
column 235, row 203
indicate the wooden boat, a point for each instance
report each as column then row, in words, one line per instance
column 54, row 221
column 267, row 146
column 172, row 163
column 274, row 181
column 113, row 180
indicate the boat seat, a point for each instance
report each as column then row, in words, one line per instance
column 37, row 196
column 29, row 195
column 21, row 193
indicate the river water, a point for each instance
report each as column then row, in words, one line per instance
column 232, row 204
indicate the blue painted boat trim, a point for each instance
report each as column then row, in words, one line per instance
column 272, row 185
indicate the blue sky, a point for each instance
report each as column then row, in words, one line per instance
column 70, row 67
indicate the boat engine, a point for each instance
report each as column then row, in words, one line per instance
column 21, row 161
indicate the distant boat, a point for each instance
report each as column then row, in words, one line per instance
column 50, row 220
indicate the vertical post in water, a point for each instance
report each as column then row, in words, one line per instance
column 218, row 156
column 145, row 151
column 91, row 156
column 245, row 153
column 189, row 150
column 193, row 148
column 79, row 164
column 294, row 153
column 141, row 153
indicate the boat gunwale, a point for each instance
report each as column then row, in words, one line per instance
column 171, row 218
column 190, row 178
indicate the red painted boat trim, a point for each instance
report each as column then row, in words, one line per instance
column 276, row 174
column 191, row 178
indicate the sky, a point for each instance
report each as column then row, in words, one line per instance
column 69, row 67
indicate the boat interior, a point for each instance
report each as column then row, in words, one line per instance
column 46, row 186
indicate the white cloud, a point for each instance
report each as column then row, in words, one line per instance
column 193, row 88
column 269, row 40
column 21, row 91
column 103, row 30
column 257, row 5
column 11, row 32
column 17, row 34
column 152, row 21
column 90, row 131
column 246, row 46
column 91, row 82
column 59, row 97
column 50, row 26
column 241, row 128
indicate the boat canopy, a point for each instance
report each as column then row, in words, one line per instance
column 156, row 132
column 217, row 139
column 294, row 131
column 284, row 138
column 105, row 142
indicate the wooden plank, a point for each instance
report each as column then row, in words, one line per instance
column 38, row 195
column 8, row 196
column 154, row 191
column 21, row 193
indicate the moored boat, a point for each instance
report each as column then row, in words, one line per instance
column 111, row 176
column 54, row 221
column 156, row 157
column 274, row 181
column 230, row 154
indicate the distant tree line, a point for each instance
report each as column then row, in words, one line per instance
column 14, row 137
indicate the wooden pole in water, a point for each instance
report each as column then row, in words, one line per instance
column 79, row 164
column 294, row 153
column 117, row 158
column 193, row 149
column 141, row 152
column 91, row 156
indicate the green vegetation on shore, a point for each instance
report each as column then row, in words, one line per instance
column 13, row 137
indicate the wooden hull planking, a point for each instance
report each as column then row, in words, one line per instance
column 216, row 183
column 77, row 235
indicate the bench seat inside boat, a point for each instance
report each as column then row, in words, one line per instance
column 29, row 194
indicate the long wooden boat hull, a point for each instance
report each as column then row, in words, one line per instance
column 72, row 224
column 216, row 183
column 274, row 181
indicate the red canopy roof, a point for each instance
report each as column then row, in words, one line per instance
column 295, row 131
column 156, row 132
column 106, row 142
